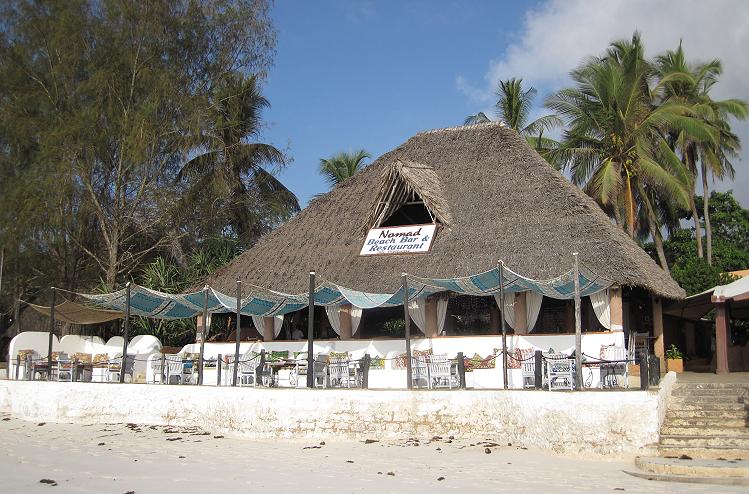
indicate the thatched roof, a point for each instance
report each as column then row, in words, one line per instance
column 497, row 198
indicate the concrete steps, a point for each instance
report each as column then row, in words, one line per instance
column 713, row 452
column 705, row 441
column 706, row 414
column 723, row 472
column 706, row 468
column 708, row 422
column 710, row 405
column 704, row 437
column 716, row 429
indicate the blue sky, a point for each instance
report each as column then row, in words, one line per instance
column 370, row 74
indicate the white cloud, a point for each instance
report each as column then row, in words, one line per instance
column 557, row 35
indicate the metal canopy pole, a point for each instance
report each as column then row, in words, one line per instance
column 51, row 332
column 504, row 325
column 203, row 333
column 125, row 332
column 2, row 262
column 238, row 332
column 578, row 330
column 310, row 331
column 407, row 317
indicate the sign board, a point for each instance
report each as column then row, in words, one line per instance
column 412, row 239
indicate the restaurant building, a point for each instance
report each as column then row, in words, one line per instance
column 449, row 204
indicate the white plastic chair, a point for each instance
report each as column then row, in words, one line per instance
column 62, row 368
column 228, row 370
column 338, row 372
column 440, row 372
column 560, row 372
column 248, row 369
column 320, row 371
column 529, row 373
column 419, row 371
column 115, row 367
column 157, row 370
column 174, row 369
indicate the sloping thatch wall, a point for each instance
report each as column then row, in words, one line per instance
column 505, row 203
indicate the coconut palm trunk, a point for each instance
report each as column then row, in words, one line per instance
column 655, row 231
column 706, row 214
column 692, row 204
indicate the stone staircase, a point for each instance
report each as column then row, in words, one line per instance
column 705, row 435
column 707, row 421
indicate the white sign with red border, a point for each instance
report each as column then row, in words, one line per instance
column 412, row 239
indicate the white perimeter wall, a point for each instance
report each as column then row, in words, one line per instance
column 613, row 422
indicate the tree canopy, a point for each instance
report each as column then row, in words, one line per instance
column 102, row 104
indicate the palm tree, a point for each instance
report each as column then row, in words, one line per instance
column 513, row 107
column 341, row 166
column 714, row 156
column 614, row 143
column 478, row 118
column 231, row 168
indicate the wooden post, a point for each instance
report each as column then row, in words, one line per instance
column 2, row 263
column 430, row 317
column 51, row 331
column 18, row 365
column 218, row 370
column 366, row 361
column 164, row 372
column 462, row 370
column 721, row 337
column 238, row 330
column 617, row 308
column 538, row 369
column 310, row 331
column 269, row 326
column 644, row 371
column 409, row 370
column 203, row 333
column 344, row 314
column 578, row 328
column 125, row 332
column 501, row 268
column 658, row 345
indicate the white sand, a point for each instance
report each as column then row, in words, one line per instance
column 142, row 459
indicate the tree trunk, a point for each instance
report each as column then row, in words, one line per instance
column 695, row 216
column 112, row 264
column 655, row 232
column 697, row 225
column 175, row 247
column 706, row 213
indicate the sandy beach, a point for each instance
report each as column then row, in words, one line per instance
column 131, row 458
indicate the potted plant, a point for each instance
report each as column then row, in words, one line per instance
column 674, row 360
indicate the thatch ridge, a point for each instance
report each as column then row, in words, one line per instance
column 505, row 203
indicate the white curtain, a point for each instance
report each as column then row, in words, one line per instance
column 334, row 316
column 277, row 325
column 602, row 307
column 532, row 308
column 417, row 309
column 441, row 314
column 356, row 313
column 508, row 312
column 257, row 321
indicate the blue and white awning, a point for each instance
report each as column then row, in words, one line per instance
column 264, row 302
